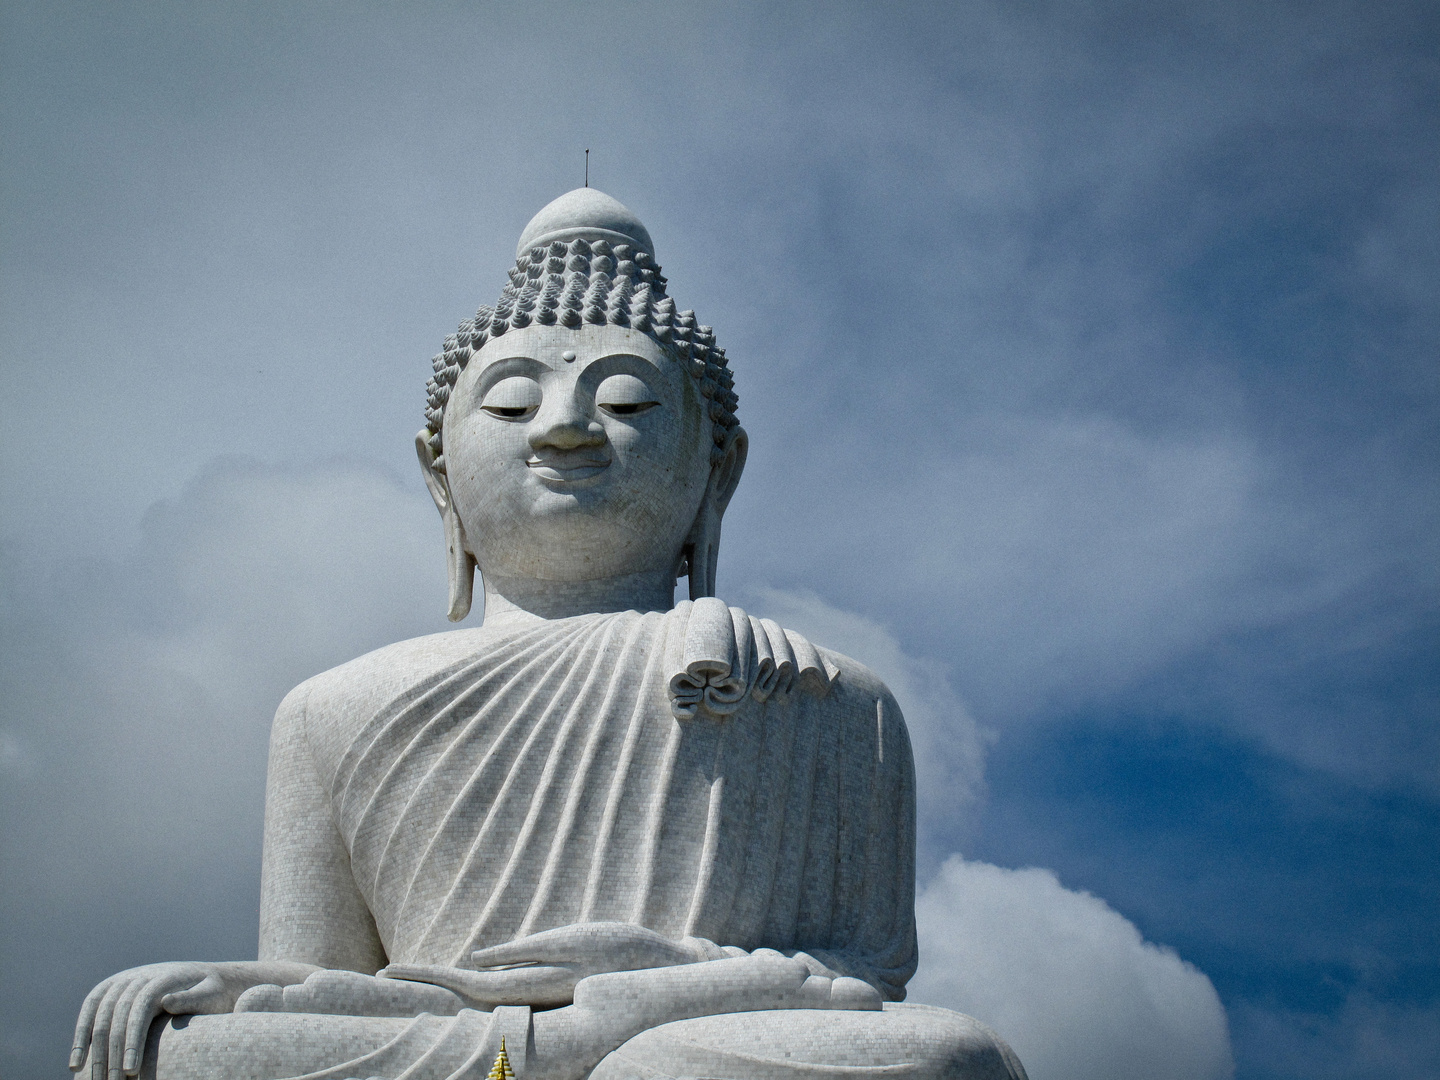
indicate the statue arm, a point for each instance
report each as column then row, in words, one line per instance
column 312, row 917
column 311, row 910
column 885, row 938
column 874, row 895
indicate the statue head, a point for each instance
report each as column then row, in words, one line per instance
column 581, row 429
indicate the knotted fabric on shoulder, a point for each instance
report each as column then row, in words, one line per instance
column 718, row 655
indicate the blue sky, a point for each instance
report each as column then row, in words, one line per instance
column 1088, row 353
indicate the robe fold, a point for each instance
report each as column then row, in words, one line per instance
column 698, row 772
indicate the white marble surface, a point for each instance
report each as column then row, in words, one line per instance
column 626, row 835
column 576, row 471
column 585, row 212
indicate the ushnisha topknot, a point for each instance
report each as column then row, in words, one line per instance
column 577, row 282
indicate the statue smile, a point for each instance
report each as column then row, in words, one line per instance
column 566, row 471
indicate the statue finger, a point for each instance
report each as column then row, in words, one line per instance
column 267, row 997
column 593, row 949
column 540, row 985
column 351, row 993
column 546, row 948
column 855, row 994
column 87, row 1021
column 100, row 1033
column 430, row 973
column 697, row 949
column 537, row 985
column 474, row 984
column 120, row 1025
column 328, row 991
column 190, row 999
column 143, row 1011
column 569, row 944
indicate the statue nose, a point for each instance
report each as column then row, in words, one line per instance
column 566, row 427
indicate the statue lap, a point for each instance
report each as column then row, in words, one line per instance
column 904, row 1042
column 280, row 1046
column 256, row 1045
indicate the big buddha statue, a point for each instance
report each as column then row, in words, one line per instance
column 625, row 837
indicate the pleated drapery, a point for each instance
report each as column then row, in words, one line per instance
column 696, row 771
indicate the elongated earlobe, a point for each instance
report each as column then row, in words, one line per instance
column 461, row 566
column 702, row 546
column 458, row 561
column 702, row 553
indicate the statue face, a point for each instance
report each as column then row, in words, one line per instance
column 576, row 454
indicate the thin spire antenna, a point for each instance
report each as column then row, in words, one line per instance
column 587, row 166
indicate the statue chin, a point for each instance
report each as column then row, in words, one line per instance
column 603, row 835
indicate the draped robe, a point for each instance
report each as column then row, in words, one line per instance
column 698, row 772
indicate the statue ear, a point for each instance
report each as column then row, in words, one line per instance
column 725, row 477
column 702, row 547
column 458, row 560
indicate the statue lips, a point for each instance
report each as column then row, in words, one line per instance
column 564, row 470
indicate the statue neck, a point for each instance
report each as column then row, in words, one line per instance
column 511, row 599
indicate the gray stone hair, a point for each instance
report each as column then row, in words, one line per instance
column 572, row 284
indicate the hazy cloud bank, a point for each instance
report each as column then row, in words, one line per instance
column 135, row 704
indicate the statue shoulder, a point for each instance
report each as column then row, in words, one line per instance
column 857, row 688
column 860, row 704
column 327, row 709
column 718, row 656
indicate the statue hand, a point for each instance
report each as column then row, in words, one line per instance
column 542, row 969
column 595, row 948
column 764, row 979
column 115, row 1019
column 349, row 993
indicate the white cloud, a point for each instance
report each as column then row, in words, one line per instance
column 252, row 579
column 135, row 704
column 1068, row 981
